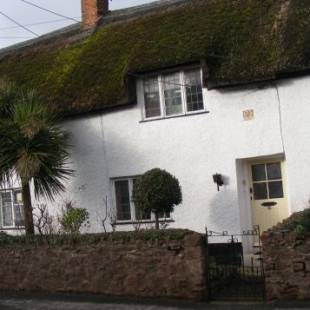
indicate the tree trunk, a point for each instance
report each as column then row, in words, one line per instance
column 156, row 220
column 29, row 227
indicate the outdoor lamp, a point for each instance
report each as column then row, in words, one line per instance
column 218, row 179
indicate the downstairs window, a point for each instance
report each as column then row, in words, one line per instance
column 12, row 209
column 125, row 208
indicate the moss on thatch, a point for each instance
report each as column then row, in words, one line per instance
column 241, row 41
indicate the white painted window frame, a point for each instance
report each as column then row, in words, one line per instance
column 162, row 96
column 11, row 191
column 132, row 205
column 267, row 181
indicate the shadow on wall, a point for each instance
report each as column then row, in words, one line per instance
column 91, row 154
column 224, row 212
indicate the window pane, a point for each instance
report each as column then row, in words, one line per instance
column 18, row 199
column 19, row 215
column 260, row 191
column 151, row 98
column 18, row 208
column 275, row 189
column 7, row 215
column 172, row 94
column 142, row 215
column 193, row 89
column 274, row 171
column 122, row 200
column 164, row 215
column 258, row 172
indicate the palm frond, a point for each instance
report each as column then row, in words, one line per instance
column 8, row 149
column 31, row 116
column 32, row 146
column 54, row 162
column 9, row 95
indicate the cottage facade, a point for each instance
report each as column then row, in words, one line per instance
column 168, row 93
column 194, row 147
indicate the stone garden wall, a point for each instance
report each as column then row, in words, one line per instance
column 150, row 264
column 286, row 254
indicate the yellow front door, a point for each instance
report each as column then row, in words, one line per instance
column 268, row 193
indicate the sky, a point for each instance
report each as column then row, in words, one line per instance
column 41, row 22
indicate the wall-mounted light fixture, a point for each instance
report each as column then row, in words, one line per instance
column 218, row 179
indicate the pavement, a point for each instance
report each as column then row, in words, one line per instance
column 24, row 301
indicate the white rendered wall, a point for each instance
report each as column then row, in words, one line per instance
column 295, row 102
column 193, row 148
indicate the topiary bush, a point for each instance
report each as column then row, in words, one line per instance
column 157, row 191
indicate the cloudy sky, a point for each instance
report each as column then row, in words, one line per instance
column 39, row 21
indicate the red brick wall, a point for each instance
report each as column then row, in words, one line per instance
column 92, row 10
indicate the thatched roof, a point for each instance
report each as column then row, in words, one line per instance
column 240, row 42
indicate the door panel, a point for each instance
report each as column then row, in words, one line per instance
column 268, row 193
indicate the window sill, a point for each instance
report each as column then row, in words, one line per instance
column 143, row 222
column 173, row 116
column 12, row 228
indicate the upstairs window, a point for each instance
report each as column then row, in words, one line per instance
column 193, row 91
column 171, row 85
column 173, row 94
column 151, row 98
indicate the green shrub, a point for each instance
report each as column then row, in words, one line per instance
column 298, row 222
column 131, row 237
column 73, row 219
column 303, row 221
column 157, row 191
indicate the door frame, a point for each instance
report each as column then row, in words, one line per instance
column 243, row 186
column 284, row 185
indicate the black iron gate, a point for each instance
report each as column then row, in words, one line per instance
column 235, row 268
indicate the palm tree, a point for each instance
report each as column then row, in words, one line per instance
column 32, row 147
